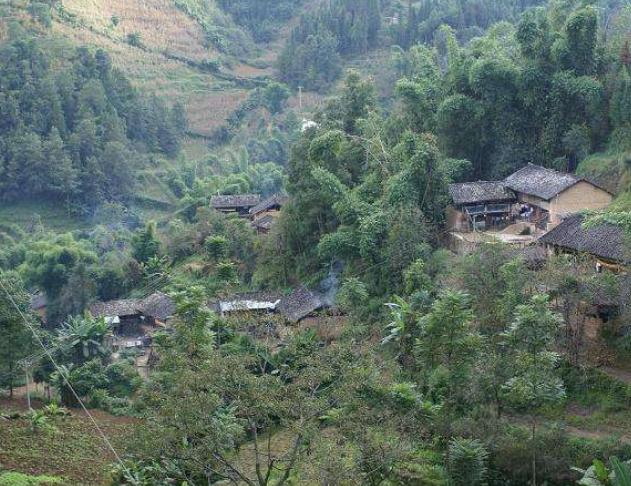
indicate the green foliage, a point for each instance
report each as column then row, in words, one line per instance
column 488, row 107
column 19, row 479
column 145, row 244
column 467, row 462
column 58, row 266
column 421, row 21
column 340, row 28
column 263, row 18
column 75, row 135
column 227, row 272
column 446, row 348
column 532, row 333
column 274, row 97
column 39, row 422
column 599, row 475
column 83, row 337
column 16, row 340
column 134, row 39
column 216, row 247
column 41, row 11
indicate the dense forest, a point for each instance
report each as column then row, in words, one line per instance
column 76, row 135
column 263, row 17
column 340, row 28
column 502, row 365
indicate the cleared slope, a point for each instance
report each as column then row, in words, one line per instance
column 159, row 66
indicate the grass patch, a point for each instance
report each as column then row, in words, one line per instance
column 19, row 479
column 611, row 169
column 29, row 214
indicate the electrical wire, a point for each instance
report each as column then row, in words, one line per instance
column 63, row 375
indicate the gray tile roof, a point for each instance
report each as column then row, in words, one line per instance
column 265, row 223
column 541, row 182
column 299, row 304
column 157, row 305
column 277, row 200
column 235, row 201
column 605, row 240
column 480, row 192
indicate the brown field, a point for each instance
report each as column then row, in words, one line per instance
column 72, row 450
column 162, row 28
column 160, row 24
column 208, row 110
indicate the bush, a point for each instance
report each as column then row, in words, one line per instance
column 467, row 462
column 134, row 39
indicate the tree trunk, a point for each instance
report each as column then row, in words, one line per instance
column 534, row 451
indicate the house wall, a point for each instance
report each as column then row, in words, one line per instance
column 533, row 200
column 577, row 198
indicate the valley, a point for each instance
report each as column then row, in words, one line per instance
column 301, row 242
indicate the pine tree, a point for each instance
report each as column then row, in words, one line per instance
column 145, row 244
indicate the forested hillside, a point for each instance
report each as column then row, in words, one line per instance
column 226, row 230
column 76, row 134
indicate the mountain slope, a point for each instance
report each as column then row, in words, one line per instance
column 168, row 59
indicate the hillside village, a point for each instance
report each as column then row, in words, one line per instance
column 304, row 242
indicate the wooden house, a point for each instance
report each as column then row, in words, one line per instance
column 235, row 204
column 294, row 307
column 264, row 214
column 134, row 318
column 300, row 304
column 534, row 195
column 247, row 303
column 479, row 205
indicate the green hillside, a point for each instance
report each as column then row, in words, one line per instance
column 248, row 237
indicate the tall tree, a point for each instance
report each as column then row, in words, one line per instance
column 536, row 382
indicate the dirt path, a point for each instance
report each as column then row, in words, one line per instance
column 601, row 434
column 617, row 373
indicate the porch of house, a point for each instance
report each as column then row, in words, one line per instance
column 497, row 217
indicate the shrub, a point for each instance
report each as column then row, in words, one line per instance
column 134, row 39
column 467, row 462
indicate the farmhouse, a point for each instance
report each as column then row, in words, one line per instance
column 534, row 195
column 294, row 307
column 300, row 304
column 553, row 195
column 264, row 214
column 134, row 318
column 235, row 204
column 480, row 205
column 605, row 242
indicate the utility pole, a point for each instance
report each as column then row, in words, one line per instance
column 300, row 97
column 28, row 391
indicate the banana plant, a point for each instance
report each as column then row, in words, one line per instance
column 598, row 474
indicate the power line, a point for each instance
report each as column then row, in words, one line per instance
column 63, row 375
